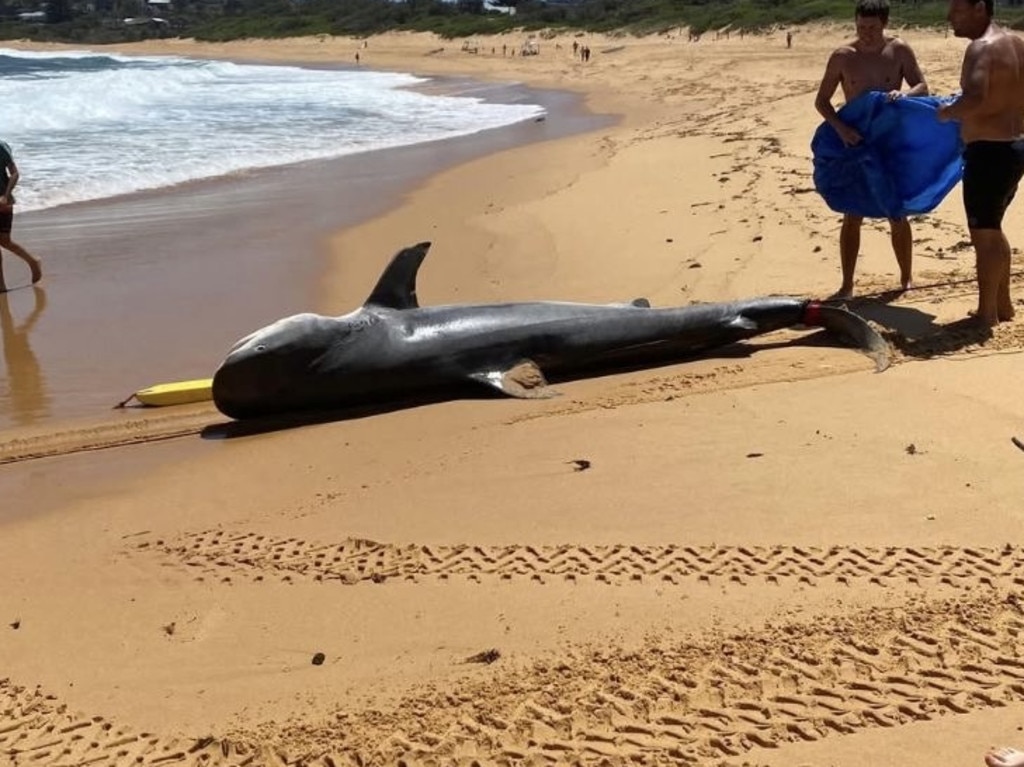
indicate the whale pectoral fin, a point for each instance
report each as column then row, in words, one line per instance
column 739, row 322
column 523, row 380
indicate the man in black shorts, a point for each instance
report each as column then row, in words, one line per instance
column 992, row 170
column 991, row 115
column 8, row 179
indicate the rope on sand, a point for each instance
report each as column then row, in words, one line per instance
column 946, row 284
column 124, row 402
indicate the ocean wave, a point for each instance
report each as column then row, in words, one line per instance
column 85, row 126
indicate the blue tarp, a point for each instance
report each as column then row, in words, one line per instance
column 906, row 163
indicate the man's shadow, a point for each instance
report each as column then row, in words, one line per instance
column 914, row 333
column 27, row 391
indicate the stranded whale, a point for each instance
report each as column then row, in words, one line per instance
column 391, row 348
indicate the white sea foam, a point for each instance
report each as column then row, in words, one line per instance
column 86, row 126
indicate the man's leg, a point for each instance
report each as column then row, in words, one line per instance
column 992, row 252
column 849, row 248
column 3, row 285
column 1004, row 304
column 903, row 246
column 24, row 255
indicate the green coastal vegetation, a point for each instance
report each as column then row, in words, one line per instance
column 108, row 21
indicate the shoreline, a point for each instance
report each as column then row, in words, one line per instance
column 775, row 557
column 230, row 204
column 217, row 216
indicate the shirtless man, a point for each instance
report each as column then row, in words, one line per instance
column 991, row 115
column 871, row 62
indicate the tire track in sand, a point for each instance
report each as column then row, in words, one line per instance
column 227, row 556
column 690, row 700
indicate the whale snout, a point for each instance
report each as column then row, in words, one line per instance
column 265, row 371
column 248, row 387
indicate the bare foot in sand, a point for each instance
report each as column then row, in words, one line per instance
column 6, row 243
column 905, row 286
column 1004, row 757
column 842, row 294
column 986, row 321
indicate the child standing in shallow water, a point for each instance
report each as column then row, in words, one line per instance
column 8, row 180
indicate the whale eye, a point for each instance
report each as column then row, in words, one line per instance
column 261, row 348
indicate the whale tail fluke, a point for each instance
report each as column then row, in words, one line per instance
column 854, row 328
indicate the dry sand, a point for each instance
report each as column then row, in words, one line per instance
column 776, row 557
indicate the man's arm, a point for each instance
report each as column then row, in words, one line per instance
column 974, row 80
column 12, row 180
column 12, row 177
column 823, row 101
column 912, row 71
column 829, row 82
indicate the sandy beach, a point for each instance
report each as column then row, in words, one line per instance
column 776, row 556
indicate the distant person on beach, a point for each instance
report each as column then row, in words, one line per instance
column 872, row 61
column 8, row 180
column 991, row 114
column 789, row 39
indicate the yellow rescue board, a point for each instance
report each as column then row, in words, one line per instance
column 178, row 393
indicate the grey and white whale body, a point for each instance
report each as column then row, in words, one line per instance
column 392, row 349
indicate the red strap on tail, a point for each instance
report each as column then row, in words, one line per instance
column 812, row 313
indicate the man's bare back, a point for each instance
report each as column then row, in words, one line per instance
column 994, row 67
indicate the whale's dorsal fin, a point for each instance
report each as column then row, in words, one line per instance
column 396, row 288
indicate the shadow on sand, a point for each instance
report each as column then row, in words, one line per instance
column 914, row 333
column 27, row 394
